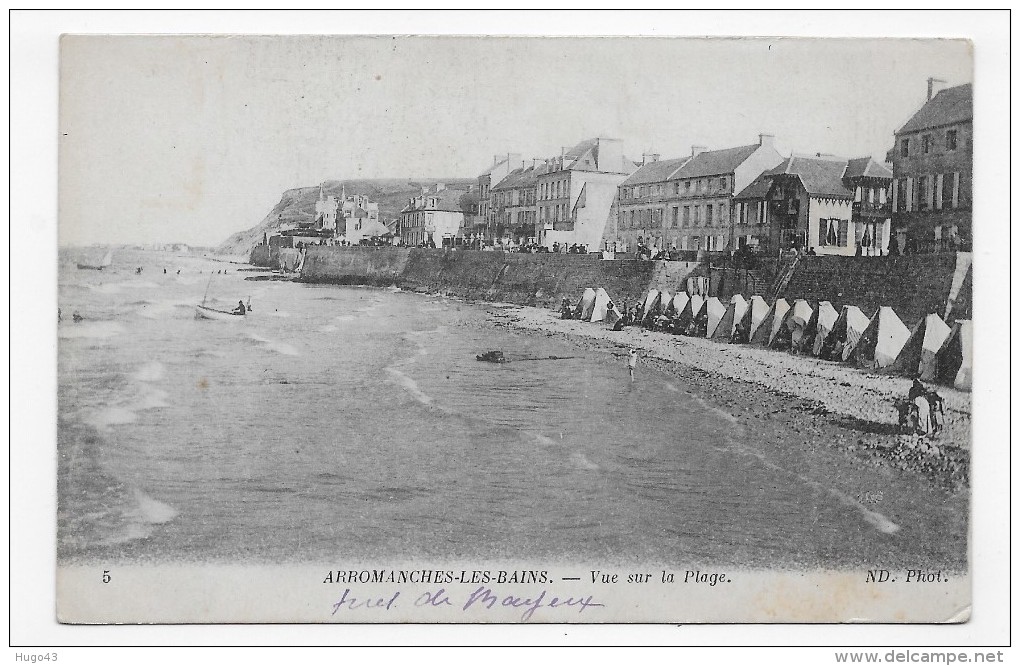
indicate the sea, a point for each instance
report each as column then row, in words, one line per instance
column 355, row 423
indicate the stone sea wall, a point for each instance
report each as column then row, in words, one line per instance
column 913, row 286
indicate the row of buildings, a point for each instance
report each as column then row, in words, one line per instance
column 346, row 218
column 745, row 198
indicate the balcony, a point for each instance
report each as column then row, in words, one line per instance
column 872, row 209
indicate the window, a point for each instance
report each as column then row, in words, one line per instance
column 709, row 215
column 951, row 139
column 832, row 232
column 676, row 187
column 722, row 184
column 687, row 186
column 926, row 144
column 857, row 194
column 922, row 193
column 676, row 216
column 697, row 215
column 687, row 216
column 905, row 148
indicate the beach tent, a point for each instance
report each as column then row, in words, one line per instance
column 734, row 313
column 772, row 323
column 649, row 306
column 781, row 332
column 953, row 361
column 825, row 319
column 665, row 300
column 845, row 334
column 677, row 305
column 650, row 298
column 585, row 304
column 598, row 310
column 699, row 326
column 715, row 311
column 687, row 316
column 799, row 321
column 881, row 341
column 754, row 315
column 917, row 358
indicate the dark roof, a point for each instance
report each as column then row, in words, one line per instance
column 865, row 166
column 580, row 150
column 821, row 177
column 655, row 172
column 715, row 162
column 949, row 106
column 758, row 188
column 522, row 177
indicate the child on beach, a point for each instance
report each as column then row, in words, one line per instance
column 632, row 363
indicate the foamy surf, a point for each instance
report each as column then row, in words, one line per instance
column 581, row 460
column 90, row 329
column 151, row 400
column 329, row 328
column 409, row 385
column 112, row 416
column 152, row 511
column 153, row 371
column 279, row 347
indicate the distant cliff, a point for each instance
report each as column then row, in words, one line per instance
column 299, row 205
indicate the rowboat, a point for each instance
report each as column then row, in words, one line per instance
column 218, row 315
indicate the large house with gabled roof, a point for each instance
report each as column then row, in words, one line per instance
column 933, row 166
column 575, row 193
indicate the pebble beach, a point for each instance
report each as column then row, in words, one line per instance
column 816, row 402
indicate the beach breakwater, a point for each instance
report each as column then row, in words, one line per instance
column 913, row 286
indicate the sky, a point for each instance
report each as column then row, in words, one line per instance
column 188, row 138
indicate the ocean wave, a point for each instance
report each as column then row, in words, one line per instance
column 151, row 400
column 153, row 371
column 112, row 416
column 409, row 385
column 329, row 328
column 90, row 329
column 581, row 460
column 279, row 347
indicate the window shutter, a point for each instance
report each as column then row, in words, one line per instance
column 938, row 191
column 895, row 188
column 910, row 194
column 822, row 231
column 929, row 193
column 843, row 233
column 956, row 189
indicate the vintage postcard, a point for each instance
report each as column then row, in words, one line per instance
column 375, row 329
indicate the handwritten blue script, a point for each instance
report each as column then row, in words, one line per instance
column 483, row 598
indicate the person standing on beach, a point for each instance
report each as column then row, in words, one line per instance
column 632, row 363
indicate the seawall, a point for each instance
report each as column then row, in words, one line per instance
column 913, row 286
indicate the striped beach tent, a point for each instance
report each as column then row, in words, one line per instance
column 677, row 305
column 754, row 316
column 734, row 313
column 714, row 311
column 825, row 319
column 772, row 323
column 954, row 360
column 881, row 341
column 695, row 304
column 917, row 358
column 845, row 334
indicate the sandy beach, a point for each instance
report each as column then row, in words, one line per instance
column 790, row 399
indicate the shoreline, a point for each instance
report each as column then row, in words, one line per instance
column 795, row 400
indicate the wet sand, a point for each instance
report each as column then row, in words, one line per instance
column 786, row 400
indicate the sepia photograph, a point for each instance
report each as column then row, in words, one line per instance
column 531, row 329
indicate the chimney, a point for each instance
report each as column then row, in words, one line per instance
column 931, row 85
column 512, row 158
column 698, row 149
column 767, row 140
column 648, row 158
